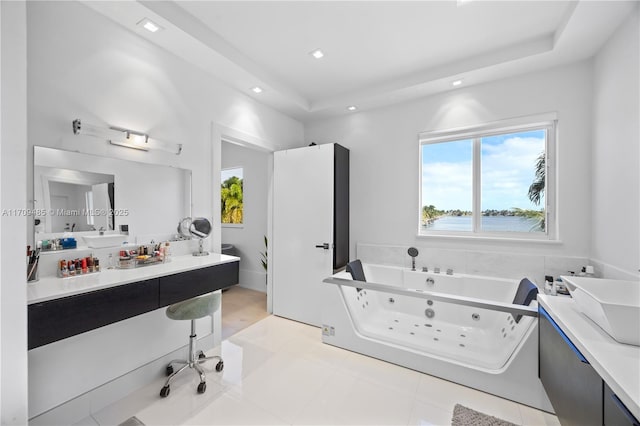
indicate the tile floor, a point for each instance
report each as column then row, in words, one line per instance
column 241, row 307
column 278, row 372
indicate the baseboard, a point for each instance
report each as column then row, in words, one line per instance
column 98, row 398
column 253, row 280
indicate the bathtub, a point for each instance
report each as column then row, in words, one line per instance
column 458, row 327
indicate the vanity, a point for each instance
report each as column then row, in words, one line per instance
column 96, row 337
column 61, row 308
column 590, row 378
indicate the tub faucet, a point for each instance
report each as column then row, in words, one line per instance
column 101, row 230
column 449, row 271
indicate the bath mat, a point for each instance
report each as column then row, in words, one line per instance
column 132, row 421
column 463, row 416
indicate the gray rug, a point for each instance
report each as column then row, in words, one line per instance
column 463, row 416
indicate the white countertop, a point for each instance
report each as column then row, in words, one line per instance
column 617, row 363
column 50, row 288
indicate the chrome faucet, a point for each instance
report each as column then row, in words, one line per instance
column 101, row 230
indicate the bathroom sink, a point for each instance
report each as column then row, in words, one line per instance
column 101, row 241
column 614, row 305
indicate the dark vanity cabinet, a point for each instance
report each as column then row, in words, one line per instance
column 58, row 319
column 61, row 318
column 182, row 286
column 573, row 386
column 577, row 392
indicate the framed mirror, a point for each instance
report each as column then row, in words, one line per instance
column 83, row 194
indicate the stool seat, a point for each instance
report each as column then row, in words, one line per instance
column 196, row 308
column 192, row 309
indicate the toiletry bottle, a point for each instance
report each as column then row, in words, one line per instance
column 96, row 264
column 111, row 264
column 72, row 268
column 167, row 251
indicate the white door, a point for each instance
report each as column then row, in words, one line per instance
column 302, row 220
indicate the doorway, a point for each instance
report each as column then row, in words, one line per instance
column 244, row 201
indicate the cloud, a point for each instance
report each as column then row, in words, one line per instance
column 507, row 167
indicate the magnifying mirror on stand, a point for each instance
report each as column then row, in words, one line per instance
column 199, row 228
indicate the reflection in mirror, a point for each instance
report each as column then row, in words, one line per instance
column 74, row 199
column 83, row 194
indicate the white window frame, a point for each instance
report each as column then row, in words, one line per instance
column 520, row 124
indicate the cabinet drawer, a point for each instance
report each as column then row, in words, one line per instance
column 615, row 412
column 182, row 286
column 573, row 386
column 61, row 318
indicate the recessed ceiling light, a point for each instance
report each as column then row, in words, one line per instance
column 352, row 108
column 463, row 2
column 256, row 89
column 149, row 25
column 456, row 83
column 317, row 53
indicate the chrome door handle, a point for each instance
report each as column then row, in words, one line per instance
column 323, row 246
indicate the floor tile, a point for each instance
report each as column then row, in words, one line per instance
column 284, row 384
column 278, row 371
column 231, row 409
column 424, row 414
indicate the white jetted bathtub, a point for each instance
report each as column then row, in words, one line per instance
column 461, row 328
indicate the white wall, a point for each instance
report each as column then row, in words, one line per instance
column 249, row 238
column 384, row 157
column 82, row 65
column 13, row 158
column 616, row 152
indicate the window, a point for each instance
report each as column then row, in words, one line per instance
column 489, row 181
column 231, row 192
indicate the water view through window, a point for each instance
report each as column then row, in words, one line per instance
column 509, row 184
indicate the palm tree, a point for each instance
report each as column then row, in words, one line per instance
column 232, row 200
column 537, row 187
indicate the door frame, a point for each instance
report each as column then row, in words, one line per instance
column 221, row 133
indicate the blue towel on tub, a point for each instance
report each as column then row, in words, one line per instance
column 527, row 291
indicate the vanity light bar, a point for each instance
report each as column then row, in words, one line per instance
column 124, row 137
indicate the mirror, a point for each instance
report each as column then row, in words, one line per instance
column 199, row 227
column 82, row 194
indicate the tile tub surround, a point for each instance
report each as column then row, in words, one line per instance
column 278, row 372
column 473, row 262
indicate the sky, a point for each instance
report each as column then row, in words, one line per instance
column 227, row 173
column 507, row 164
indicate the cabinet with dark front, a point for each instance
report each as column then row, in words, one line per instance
column 574, row 388
column 61, row 318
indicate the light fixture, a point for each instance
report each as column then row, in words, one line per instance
column 352, row 108
column 317, row 53
column 460, row 3
column 456, row 83
column 257, row 89
column 149, row 25
column 125, row 137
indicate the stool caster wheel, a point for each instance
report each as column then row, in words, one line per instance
column 202, row 387
column 164, row 392
column 219, row 366
column 169, row 370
